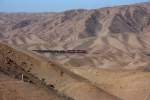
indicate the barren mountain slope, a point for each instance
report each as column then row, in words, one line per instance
column 41, row 72
column 76, row 83
column 128, row 85
column 116, row 38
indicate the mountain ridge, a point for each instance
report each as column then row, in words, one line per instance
column 119, row 31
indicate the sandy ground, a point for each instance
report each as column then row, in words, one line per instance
column 128, row 85
column 12, row 89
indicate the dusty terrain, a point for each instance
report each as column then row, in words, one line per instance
column 128, row 85
column 43, row 73
column 115, row 67
column 108, row 34
column 11, row 89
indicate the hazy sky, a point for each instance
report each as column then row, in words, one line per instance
column 58, row 5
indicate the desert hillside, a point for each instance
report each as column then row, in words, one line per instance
column 114, row 66
column 115, row 37
column 23, row 75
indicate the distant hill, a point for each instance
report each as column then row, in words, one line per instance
column 115, row 37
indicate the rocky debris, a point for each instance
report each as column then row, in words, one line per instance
column 92, row 25
column 131, row 21
column 70, row 15
column 21, row 24
column 1, row 35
